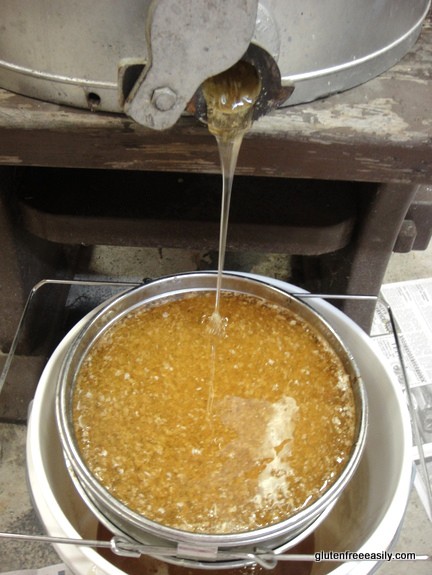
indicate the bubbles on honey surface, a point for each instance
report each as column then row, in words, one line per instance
column 215, row 323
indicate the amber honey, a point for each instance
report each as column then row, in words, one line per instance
column 277, row 433
column 230, row 98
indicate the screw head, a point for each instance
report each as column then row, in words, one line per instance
column 164, row 99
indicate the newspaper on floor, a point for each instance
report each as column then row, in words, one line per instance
column 411, row 306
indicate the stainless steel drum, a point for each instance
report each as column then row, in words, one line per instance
column 98, row 55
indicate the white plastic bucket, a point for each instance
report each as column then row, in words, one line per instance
column 365, row 518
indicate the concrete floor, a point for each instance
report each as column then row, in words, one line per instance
column 16, row 512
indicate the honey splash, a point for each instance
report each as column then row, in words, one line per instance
column 230, row 98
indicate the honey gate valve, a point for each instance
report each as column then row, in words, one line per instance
column 188, row 41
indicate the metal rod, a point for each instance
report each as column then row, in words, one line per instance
column 413, row 411
column 54, row 540
column 265, row 558
column 359, row 297
column 29, row 300
column 99, row 283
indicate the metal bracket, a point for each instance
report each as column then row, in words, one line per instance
column 189, row 41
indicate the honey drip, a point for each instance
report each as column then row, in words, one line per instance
column 230, row 98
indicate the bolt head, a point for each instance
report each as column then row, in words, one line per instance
column 164, row 99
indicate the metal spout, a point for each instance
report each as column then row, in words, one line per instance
column 272, row 95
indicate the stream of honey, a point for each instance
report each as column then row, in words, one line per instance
column 230, row 98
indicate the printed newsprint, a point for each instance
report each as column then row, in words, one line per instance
column 411, row 306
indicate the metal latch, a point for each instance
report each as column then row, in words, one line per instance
column 189, row 41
